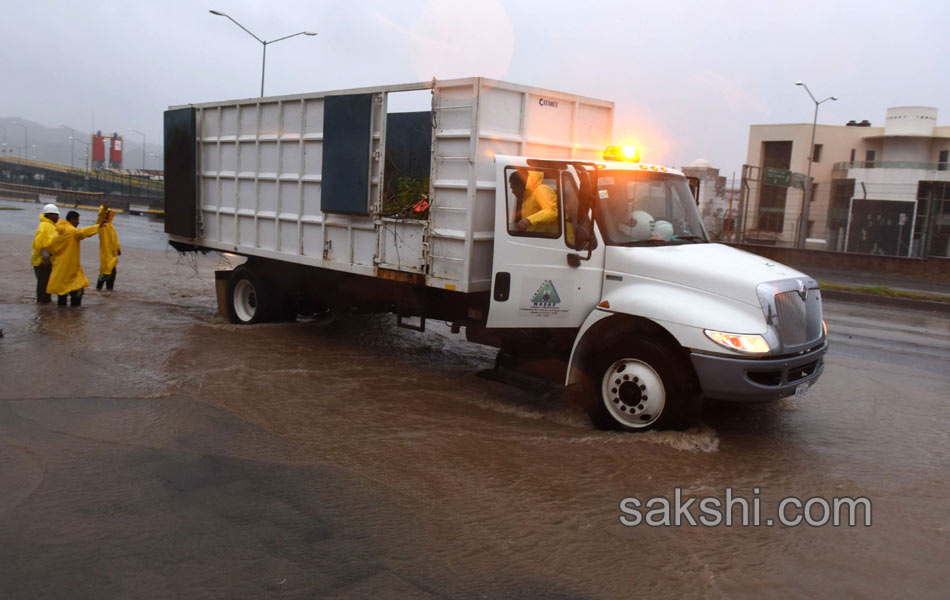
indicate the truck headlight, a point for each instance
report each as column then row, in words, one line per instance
column 748, row 343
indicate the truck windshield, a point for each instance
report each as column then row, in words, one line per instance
column 650, row 209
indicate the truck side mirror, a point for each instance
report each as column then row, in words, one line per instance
column 693, row 183
column 585, row 226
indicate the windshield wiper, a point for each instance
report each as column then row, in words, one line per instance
column 690, row 238
column 647, row 242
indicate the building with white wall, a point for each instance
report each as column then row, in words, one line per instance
column 877, row 190
column 718, row 200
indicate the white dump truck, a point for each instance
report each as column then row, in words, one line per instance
column 495, row 210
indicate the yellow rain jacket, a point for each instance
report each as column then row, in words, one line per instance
column 67, row 274
column 108, row 242
column 45, row 234
column 540, row 204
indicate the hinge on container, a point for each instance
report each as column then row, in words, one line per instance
column 326, row 249
column 425, row 249
column 376, row 155
column 379, row 99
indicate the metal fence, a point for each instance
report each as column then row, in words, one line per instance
column 845, row 215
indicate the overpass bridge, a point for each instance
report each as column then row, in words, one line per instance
column 122, row 188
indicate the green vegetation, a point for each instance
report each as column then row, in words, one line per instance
column 879, row 290
column 409, row 191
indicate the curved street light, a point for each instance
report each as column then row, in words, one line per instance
column 143, row 145
column 26, row 138
column 85, row 161
column 72, row 146
column 263, row 42
column 160, row 158
column 806, row 200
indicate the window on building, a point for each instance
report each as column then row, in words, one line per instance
column 816, row 153
column 776, row 155
column 942, row 161
column 853, row 152
column 869, row 159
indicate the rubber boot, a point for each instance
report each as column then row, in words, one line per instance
column 61, row 300
column 99, row 283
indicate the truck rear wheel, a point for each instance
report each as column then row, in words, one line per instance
column 640, row 386
column 248, row 298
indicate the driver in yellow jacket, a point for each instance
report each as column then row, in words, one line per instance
column 109, row 249
column 538, row 202
column 67, row 277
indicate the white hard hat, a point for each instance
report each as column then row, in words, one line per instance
column 643, row 225
column 664, row 229
column 50, row 209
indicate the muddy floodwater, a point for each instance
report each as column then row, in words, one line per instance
column 148, row 448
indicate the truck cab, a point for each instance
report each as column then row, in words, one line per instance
column 657, row 318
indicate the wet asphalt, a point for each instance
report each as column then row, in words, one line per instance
column 150, row 449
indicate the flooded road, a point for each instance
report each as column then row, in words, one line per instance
column 150, row 449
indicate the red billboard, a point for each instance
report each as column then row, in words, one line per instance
column 115, row 151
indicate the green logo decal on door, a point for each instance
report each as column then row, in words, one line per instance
column 546, row 295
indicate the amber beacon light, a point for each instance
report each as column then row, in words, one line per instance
column 625, row 153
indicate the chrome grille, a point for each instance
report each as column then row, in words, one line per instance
column 799, row 321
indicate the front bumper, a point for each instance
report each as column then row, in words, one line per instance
column 756, row 380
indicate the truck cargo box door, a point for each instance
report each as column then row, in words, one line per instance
column 408, row 157
column 181, row 187
column 347, row 154
column 533, row 285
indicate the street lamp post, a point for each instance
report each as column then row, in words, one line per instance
column 806, row 200
column 263, row 42
column 72, row 146
column 86, row 144
column 143, row 145
column 26, row 139
column 160, row 158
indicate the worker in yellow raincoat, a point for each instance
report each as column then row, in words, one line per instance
column 67, row 278
column 40, row 255
column 538, row 202
column 109, row 249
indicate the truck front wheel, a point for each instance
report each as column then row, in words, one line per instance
column 247, row 297
column 639, row 386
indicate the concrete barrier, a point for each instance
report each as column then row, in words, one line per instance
column 931, row 269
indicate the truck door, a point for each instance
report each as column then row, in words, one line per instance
column 533, row 282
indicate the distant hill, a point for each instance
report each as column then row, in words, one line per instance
column 52, row 144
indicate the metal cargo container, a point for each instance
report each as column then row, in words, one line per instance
column 302, row 178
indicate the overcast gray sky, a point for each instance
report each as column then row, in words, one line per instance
column 688, row 78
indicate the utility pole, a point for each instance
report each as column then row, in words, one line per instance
column 809, row 185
